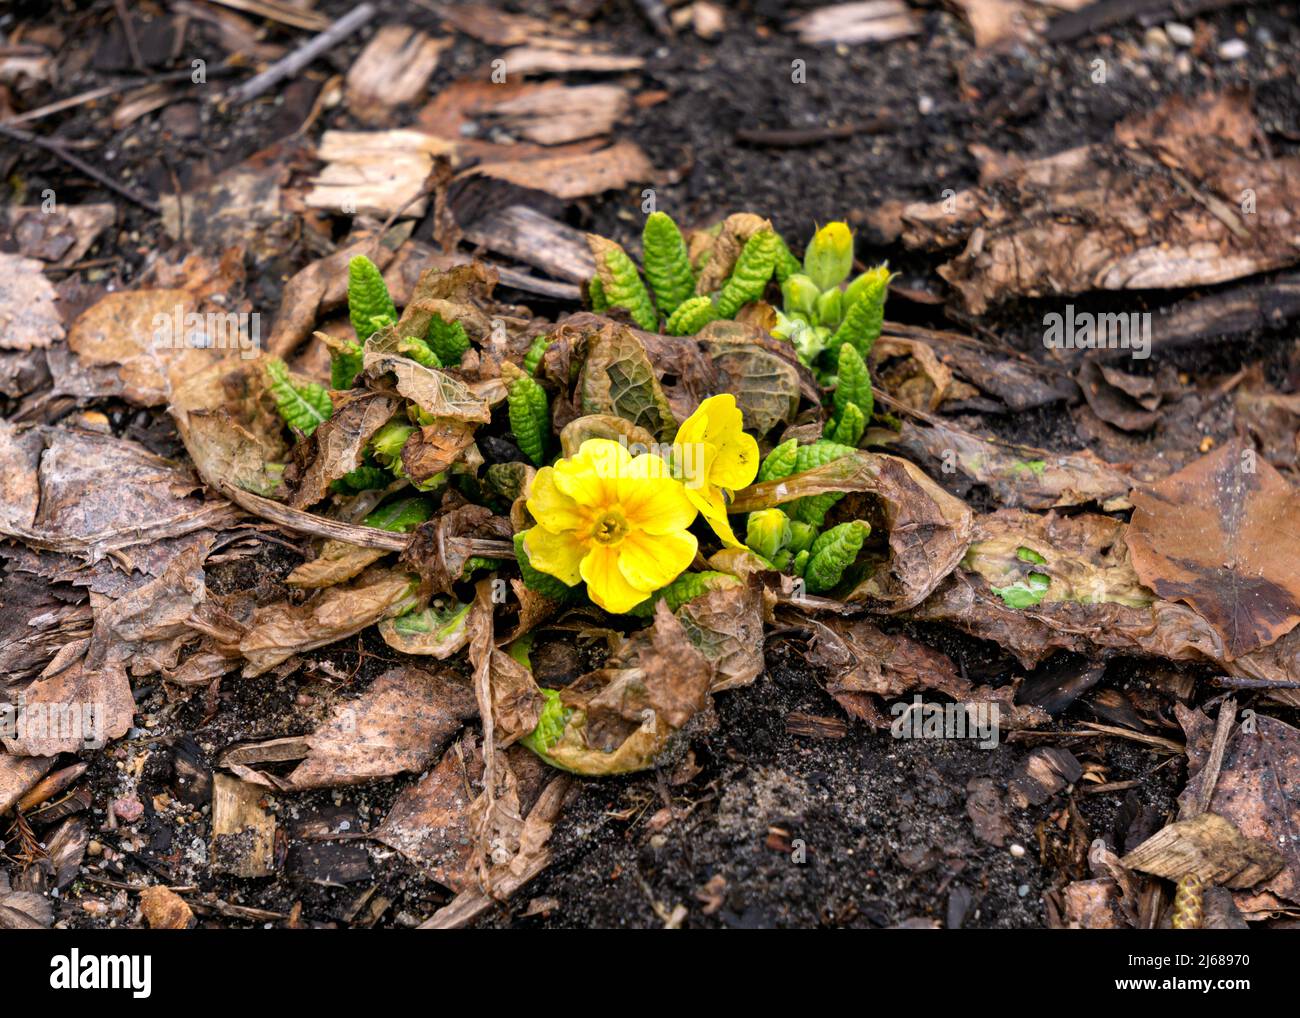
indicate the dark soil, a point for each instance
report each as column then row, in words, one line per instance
column 880, row 824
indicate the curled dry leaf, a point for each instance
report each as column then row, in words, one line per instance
column 438, row 630
column 400, row 724
column 28, row 318
column 928, row 529
column 1253, row 793
column 725, row 624
column 619, row 380
column 866, row 663
column 1209, row 847
column 575, row 175
column 621, row 717
column 338, row 444
column 1018, row 476
column 1218, row 535
column 1149, row 211
column 281, row 630
column 435, row 392
column 438, row 557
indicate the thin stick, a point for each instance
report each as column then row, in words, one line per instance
column 132, row 43
column 98, row 93
column 311, row 21
column 1214, row 763
column 1233, row 682
column 85, row 167
column 294, row 62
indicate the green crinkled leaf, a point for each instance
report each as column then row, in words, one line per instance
column 865, row 317
column 853, row 384
column 419, row 351
column 621, row 283
column 345, row 365
column 749, row 278
column 401, row 516
column 536, row 350
column 832, row 553
column 618, row 379
column 787, row 264
column 369, row 305
column 448, row 341
column 851, row 426
column 530, row 417
column 691, row 316
column 667, row 265
column 780, row 462
column 550, row 725
column 685, row 588
column 302, row 405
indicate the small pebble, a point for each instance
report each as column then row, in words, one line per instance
column 925, row 105
column 128, row 810
column 1017, row 850
column 1179, row 34
column 1023, row 890
column 1233, row 49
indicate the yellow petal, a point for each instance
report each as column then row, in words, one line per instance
column 713, row 507
column 559, row 555
column 551, row 507
column 606, row 584
column 650, row 561
column 590, row 477
column 651, row 500
column 736, row 464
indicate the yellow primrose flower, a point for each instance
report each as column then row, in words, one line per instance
column 616, row 522
column 715, row 458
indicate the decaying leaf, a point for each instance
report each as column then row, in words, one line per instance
column 279, row 631
column 338, row 443
column 401, row 723
column 928, row 529
column 28, row 317
column 1219, row 535
column 1018, row 475
column 1253, row 794
column 1207, row 846
column 619, row 718
column 618, row 379
column 1158, row 207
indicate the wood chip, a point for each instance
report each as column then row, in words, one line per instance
column 576, row 176
column 375, row 172
column 393, row 69
column 243, row 831
column 846, row 24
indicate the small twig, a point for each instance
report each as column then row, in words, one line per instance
column 132, row 43
column 1214, row 763
column 98, row 93
column 55, row 148
column 797, row 137
column 1233, row 682
column 286, row 14
column 294, row 62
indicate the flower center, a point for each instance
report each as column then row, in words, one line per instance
column 610, row 527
